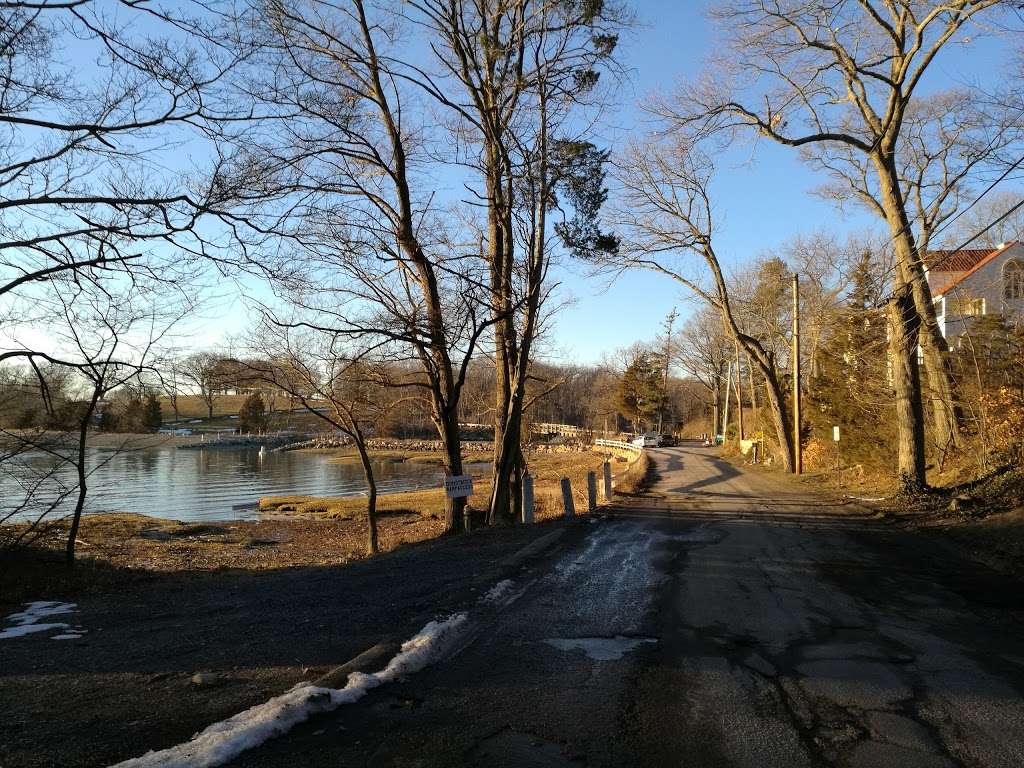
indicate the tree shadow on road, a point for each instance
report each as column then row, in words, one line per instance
column 724, row 472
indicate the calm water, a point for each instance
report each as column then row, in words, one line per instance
column 223, row 483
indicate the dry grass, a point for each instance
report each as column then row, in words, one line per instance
column 547, row 470
column 637, row 475
column 138, row 542
column 193, row 407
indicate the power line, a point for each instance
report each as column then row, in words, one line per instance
column 988, row 189
column 963, row 245
column 953, row 252
column 906, row 227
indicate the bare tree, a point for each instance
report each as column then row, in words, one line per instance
column 200, row 372
column 513, row 75
column 335, row 169
column 948, row 142
column 107, row 337
column 844, row 76
column 992, row 208
column 666, row 215
column 95, row 196
column 84, row 171
column 317, row 367
column 702, row 351
column 170, row 379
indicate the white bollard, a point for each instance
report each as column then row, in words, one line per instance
column 567, row 503
column 591, row 492
column 527, row 499
column 607, row 481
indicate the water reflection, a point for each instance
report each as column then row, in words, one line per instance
column 221, row 483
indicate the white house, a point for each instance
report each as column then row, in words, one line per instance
column 970, row 283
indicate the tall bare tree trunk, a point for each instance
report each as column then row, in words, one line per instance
column 448, row 426
column 780, row 416
column 912, row 323
column 946, row 413
column 372, row 547
column 506, row 422
column 906, row 383
column 753, row 395
column 83, row 477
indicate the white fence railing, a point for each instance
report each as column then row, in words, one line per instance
column 620, row 444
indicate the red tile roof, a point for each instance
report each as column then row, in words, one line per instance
column 958, row 266
column 955, row 261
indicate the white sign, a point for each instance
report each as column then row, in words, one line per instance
column 456, row 486
column 835, row 434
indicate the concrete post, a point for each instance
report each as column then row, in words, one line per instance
column 607, row 467
column 527, row 499
column 591, row 492
column 567, row 503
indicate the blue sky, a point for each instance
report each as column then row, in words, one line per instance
column 763, row 193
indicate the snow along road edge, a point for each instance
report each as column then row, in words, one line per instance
column 224, row 741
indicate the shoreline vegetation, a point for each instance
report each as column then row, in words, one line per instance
column 291, row 531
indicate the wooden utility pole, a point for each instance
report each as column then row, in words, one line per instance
column 714, row 406
column 728, row 396
column 798, row 454
column 739, row 390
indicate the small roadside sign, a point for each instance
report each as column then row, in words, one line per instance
column 835, row 434
column 456, row 486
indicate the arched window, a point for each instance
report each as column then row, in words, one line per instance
column 1013, row 279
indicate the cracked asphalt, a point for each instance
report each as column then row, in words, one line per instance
column 728, row 618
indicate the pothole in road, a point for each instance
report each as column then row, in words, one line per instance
column 600, row 648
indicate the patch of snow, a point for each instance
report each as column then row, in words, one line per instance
column 71, row 634
column 600, row 648
column 224, row 741
column 498, row 591
column 26, row 622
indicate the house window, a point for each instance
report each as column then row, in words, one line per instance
column 1013, row 279
column 966, row 307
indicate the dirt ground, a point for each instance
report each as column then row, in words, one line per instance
column 127, row 684
column 983, row 518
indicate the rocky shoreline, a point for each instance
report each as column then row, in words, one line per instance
column 327, row 442
column 272, row 442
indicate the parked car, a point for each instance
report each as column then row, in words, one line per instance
column 648, row 441
column 668, row 441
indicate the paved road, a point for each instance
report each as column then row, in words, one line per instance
column 729, row 619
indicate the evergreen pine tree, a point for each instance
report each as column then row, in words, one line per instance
column 252, row 416
column 152, row 414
